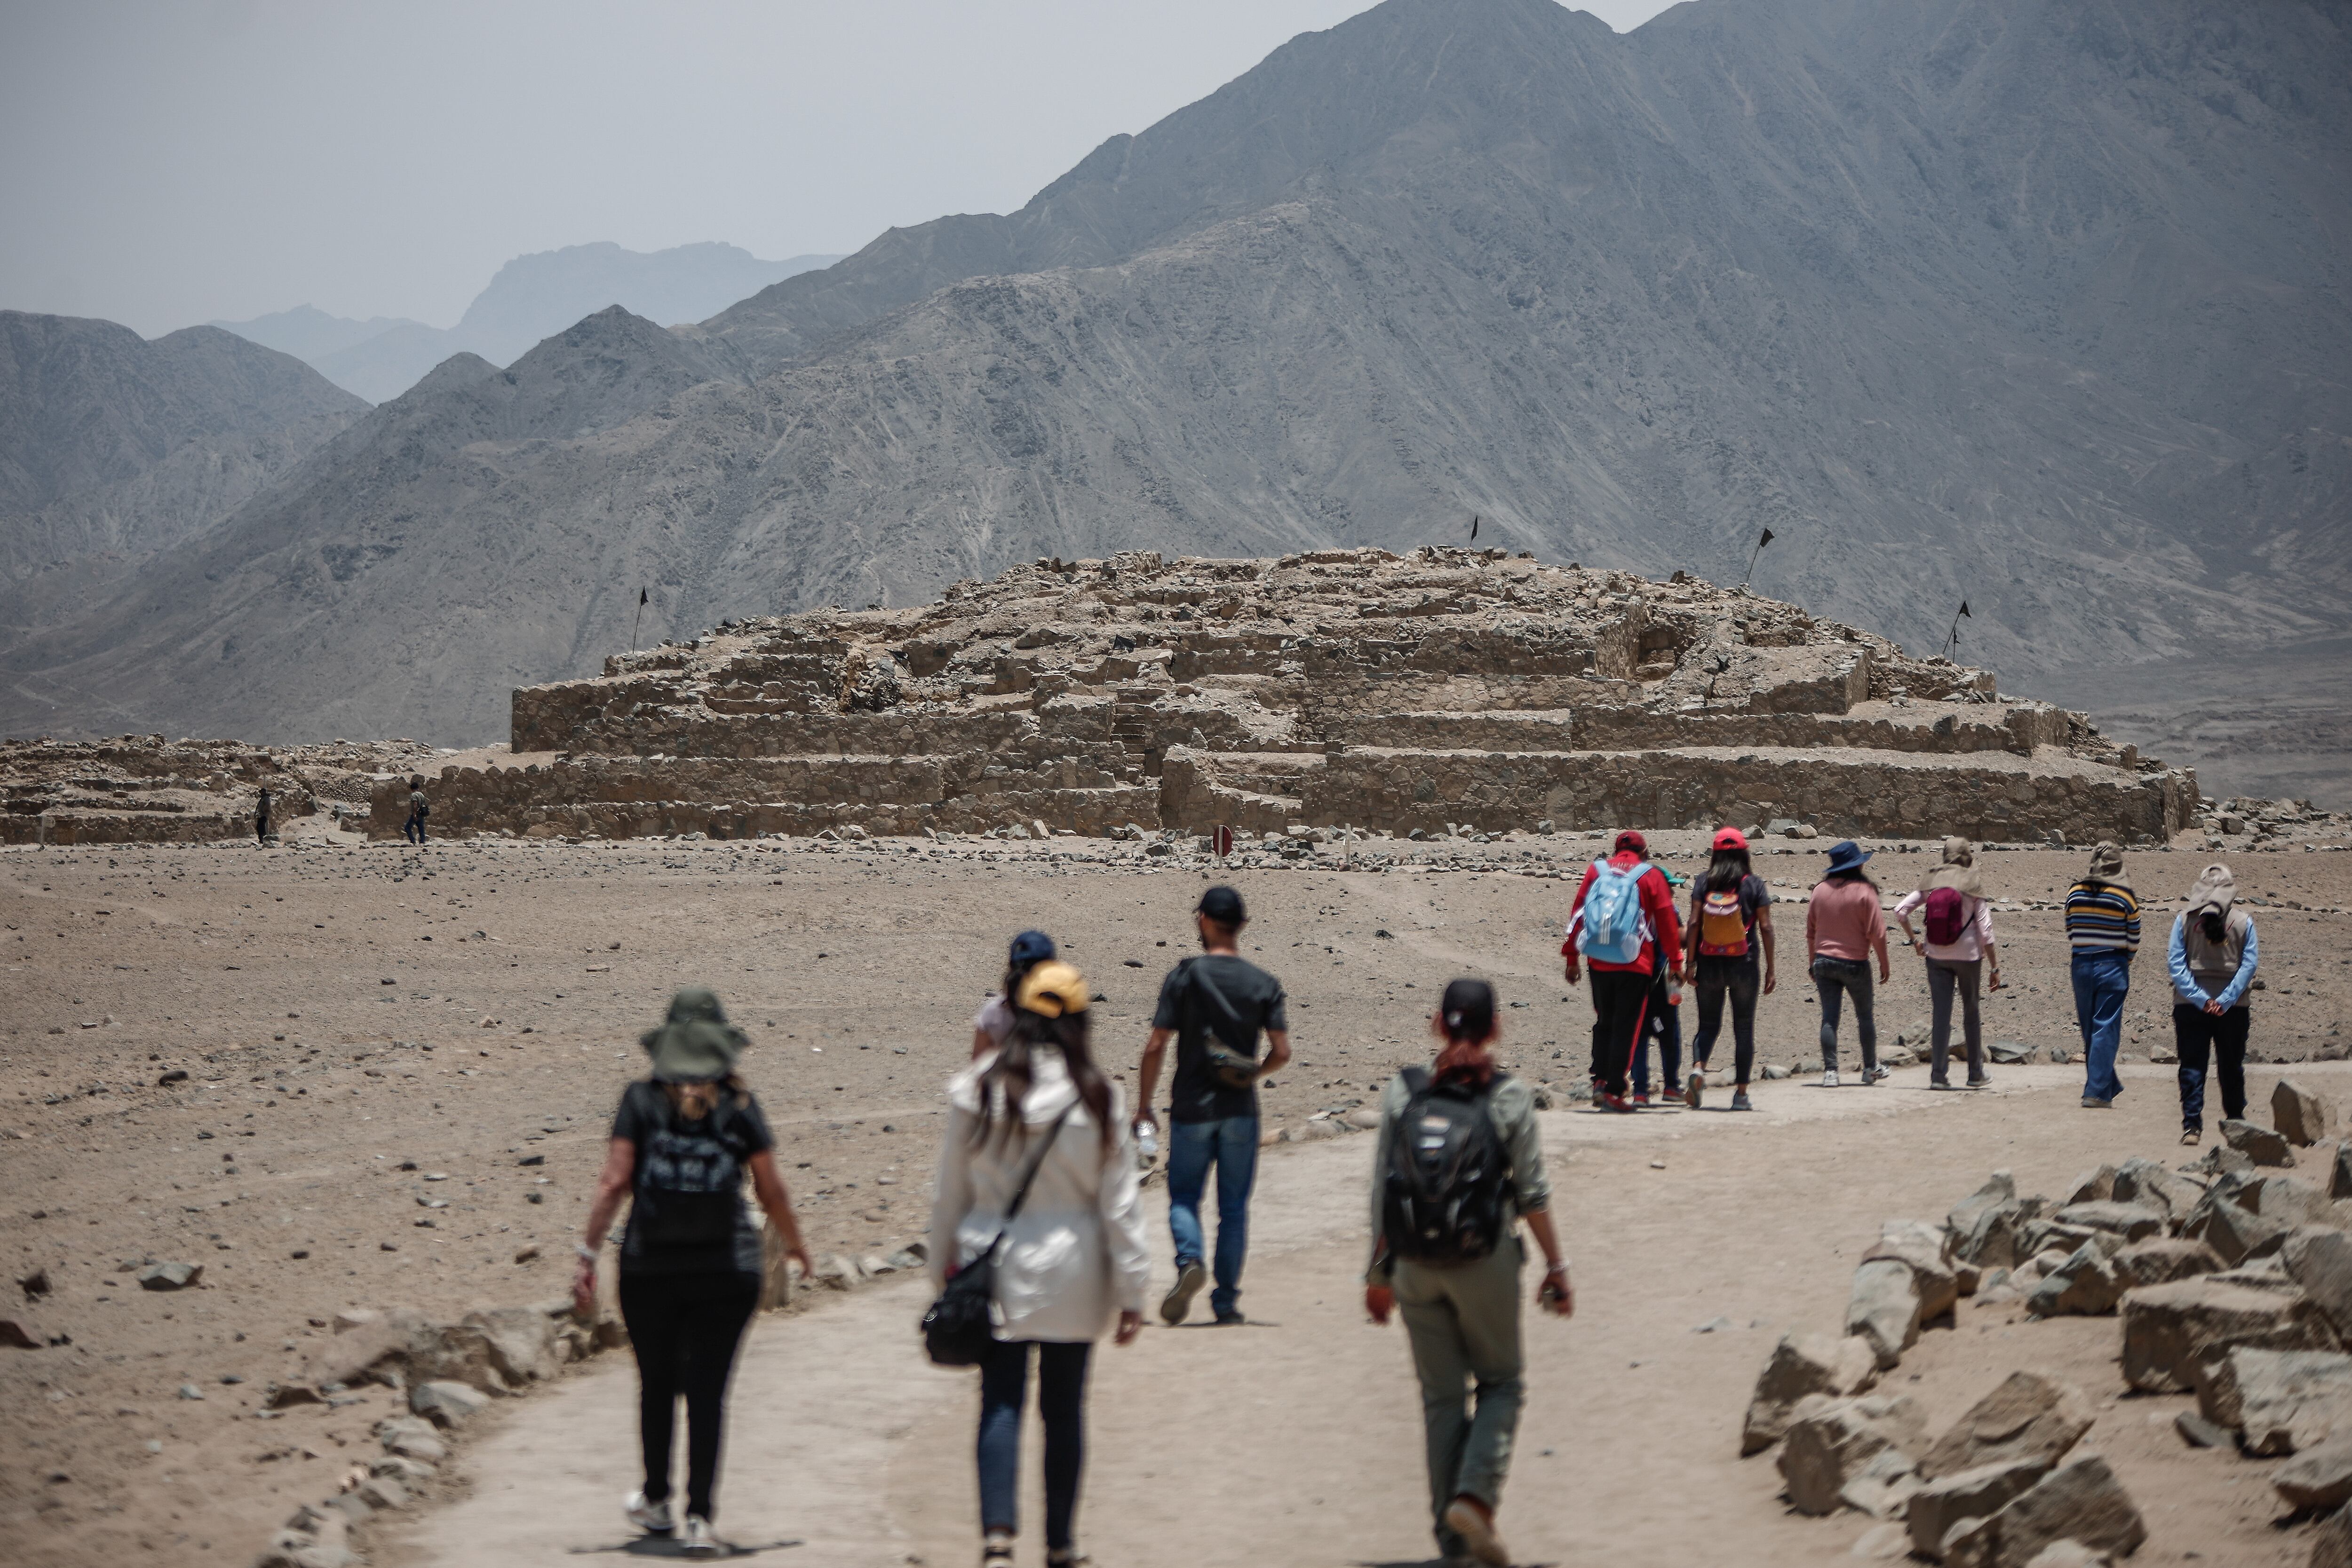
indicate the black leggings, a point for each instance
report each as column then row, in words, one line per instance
column 1061, row 1402
column 683, row 1329
column 1739, row 980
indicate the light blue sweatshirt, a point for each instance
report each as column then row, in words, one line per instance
column 2184, row 984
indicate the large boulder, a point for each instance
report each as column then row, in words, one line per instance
column 2169, row 1328
column 2152, row 1186
column 1995, row 1235
column 1884, row 1308
column 2092, row 1187
column 2259, row 1145
column 2302, row 1117
column 2087, row 1284
column 1831, row 1442
column 2290, row 1201
column 1938, row 1506
column 2319, row 1261
column 2028, row 1416
column 2132, row 1222
column 1798, row 1369
column 2279, row 1402
column 2236, row 1233
column 1999, row 1188
column 2162, row 1259
column 2080, row 1501
column 519, row 1342
column 2319, row 1478
column 1926, row 1251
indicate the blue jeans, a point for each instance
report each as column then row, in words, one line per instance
column 2102, row 981
column 1230, row 1145
column 1837, row 978
column 1061, row 1403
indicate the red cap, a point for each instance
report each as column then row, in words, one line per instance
column 1731, row 839
column 1630, row 839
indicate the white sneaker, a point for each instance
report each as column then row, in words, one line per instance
column 653, row 1518
column 1829, row 1077
column 695, row 1539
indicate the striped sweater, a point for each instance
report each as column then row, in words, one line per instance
column 2102, row 914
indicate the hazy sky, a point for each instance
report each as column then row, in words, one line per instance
column 169, row 162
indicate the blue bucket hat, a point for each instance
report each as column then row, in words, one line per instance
column 1846, row 855
column 1029, row 949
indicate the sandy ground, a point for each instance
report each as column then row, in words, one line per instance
column 327, row 1002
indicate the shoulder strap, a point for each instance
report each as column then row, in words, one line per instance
column 1044, row 1147
column 1416, row 1080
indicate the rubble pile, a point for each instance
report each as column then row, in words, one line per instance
column 1466, row 689
column 2231, row 1280
column 144, row 789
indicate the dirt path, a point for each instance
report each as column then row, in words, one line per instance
column 1296, row 1440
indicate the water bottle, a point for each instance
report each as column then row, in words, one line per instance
column 1147, row 1142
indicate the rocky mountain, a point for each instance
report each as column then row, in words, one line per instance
column 532, row 298
column 113, row 446
column 2019, row 301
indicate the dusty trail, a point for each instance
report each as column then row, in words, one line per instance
column 1296, row 1440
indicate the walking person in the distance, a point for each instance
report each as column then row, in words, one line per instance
column 1623, row 923
column 2211, row 957
column 1458, row 1163
column 1845, row 930
column 1730, row 924
column 2102, row 932
column 1959, row 952
column 1215, row 1007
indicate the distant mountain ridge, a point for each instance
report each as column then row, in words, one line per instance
column 2018, row 301
column 531, row 297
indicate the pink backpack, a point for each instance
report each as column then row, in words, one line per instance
column 1948, row 916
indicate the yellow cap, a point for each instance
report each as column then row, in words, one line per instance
column 1054, row 989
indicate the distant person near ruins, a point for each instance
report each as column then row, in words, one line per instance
column 1623, row 923
column 1844, row 929
column 1959, row 952
column 2212, row 957
column 683, row 1140
column 1215, row 1007
column 413, row 830
column 2103, row 929
column 1038, row 1178
column 261, row 817
column 1446, row 1201
column 1730, row 924
column 994, row 1020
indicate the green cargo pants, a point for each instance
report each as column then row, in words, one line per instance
column 1463, row 1326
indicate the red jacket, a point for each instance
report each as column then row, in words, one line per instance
column 1657, row 903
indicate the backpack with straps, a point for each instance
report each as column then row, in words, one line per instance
column 1614, row 926
column 1722, row 923
column 1446, row 1194
column 1948, row 910
column 688, row 1183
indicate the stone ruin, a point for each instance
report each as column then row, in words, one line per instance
column 1449, row 688
column 144, row 788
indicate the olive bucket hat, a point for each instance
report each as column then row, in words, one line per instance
column 695, row 1043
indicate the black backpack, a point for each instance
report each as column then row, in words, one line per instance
column 688, row 1182
column 1447, row 1191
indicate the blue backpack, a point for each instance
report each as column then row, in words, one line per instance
column 1614, row 926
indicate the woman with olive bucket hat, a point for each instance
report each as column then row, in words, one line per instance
column 690, row 1261
column 1038, row 1174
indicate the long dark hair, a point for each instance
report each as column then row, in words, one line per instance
column 1728, row 869
column 1006, row 1083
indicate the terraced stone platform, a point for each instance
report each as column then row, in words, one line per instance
column 1337, row 688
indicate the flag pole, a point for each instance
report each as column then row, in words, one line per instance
column 1952, row 638
column 637, row 621
column 1752, row 555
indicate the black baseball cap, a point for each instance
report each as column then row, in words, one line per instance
column 1224, row 905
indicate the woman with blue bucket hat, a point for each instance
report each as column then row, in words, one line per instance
column 1844, row 930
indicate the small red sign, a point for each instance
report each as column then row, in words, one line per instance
column 1222, row 840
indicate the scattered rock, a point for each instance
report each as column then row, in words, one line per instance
column 34, row 1285
column 2319, row 1478
column 2279, row 1402
column 169, row 1276
column 2009, row 1051
column 2339, row 1172
column 2069, row 1554
column 1830, row 1442
column 2160, row 1260
column 2169, row 1329
column 285, row 1396
column 2236, row 1233
column 1884, row 1308
column 2331, row 1544
column 527, row 1253
column 2199, row 1433
column 2087, row 1284
column 1995, row 1236
column 1980, row 1493
column 2093, row 1186
column 2301, row 1117
column 2259, row 1145
column 521, row 1342
column 2080, row 1503
column 2027, row 1418
column 1884, row 1488
column 2289, row 1201
column 2319, row 1261
column 1798, row 1369
column 16, row 1336
column 446, row 1404
column 2132, row 1222
column 1999, row 1188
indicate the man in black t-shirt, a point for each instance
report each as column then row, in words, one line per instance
column 1215, row 1007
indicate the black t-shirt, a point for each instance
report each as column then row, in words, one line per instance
column 1753, row 896
column 688, row 1215
column 1230, row 998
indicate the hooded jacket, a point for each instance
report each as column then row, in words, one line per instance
column 2205, row 970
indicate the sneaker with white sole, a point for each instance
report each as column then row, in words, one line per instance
column 1177, row 1302
column 1876, row 1074
column 1695, row 1087
column 1739, row 1101
column 653, row 1518
column 695, row 1539
column 1475, row 1526
column 1829, row 1077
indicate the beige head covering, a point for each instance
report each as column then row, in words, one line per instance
column 2107, row 865
column 2216, row 889
column 1959, row 871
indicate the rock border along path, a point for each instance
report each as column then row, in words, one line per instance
column 1293, row 1440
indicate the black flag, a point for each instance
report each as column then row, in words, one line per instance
column 1473, row 526
column 1765, row 540
column 638, row 618
column 1964, row 609
column 643, row 596
column 1754, row 553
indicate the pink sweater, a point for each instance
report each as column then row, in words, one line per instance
column 1843, row 922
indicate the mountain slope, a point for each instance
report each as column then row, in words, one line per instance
column 2032, row 303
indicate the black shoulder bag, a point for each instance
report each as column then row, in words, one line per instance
column 957, row 1329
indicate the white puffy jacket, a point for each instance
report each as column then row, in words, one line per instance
column 1075, row 1256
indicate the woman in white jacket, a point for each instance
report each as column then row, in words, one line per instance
column 1073, row 1260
